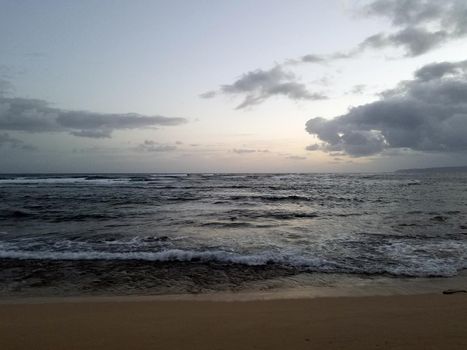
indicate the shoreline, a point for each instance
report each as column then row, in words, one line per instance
column 425, row 321
column 222, row 296
column 297, row 286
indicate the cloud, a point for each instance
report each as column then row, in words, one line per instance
column 31, row 115
column 92, row 133
column 427, row 113
column 208, row 94
column 91, row 149
column 409, row 12
column 323, row 59
column 422, row 24
column 249, row 150
column 313, row 147
column 243, row 150
column 296, row 157
column 5, row 87
column 7, row 140
column 357, row 89
column 259, row 85
column 313, row 58
column 435, row 71
column 152, row 146
column 415, row 41
column 419, row 27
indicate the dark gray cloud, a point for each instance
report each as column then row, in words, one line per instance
column 31, row 115
column 414, row 41
column 259, row 85
column 422, row 24
column 7, row 140
column 313, row 147
column 419, row 26
column 97, row 134
column 153, row 146
column 439, row 70
column 427, row 113
column 410, row 12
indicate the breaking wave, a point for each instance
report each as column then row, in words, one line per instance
column 428, row 268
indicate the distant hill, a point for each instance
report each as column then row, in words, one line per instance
column 447, row 169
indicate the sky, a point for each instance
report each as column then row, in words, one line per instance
column 232, row 86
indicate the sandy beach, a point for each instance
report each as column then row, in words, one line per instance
column 432, row 321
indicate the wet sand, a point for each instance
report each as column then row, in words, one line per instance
column 91, row 278
column 434, row 321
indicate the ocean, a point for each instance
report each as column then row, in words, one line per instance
column 192, row 233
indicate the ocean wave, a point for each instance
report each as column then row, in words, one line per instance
column 272, row 198
column 271, row 214
column 15, row 213
column 429, row 268
column 353, row 223
column 50, row 216
column 295, row 198
column 162, row 256
column 86, row 217
column 64, row 180
column 233, row 224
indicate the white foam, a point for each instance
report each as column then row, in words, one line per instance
column 167, row 255
column 433, row 267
